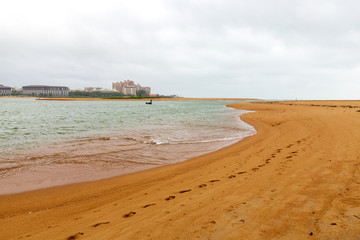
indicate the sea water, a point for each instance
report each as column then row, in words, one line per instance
column 48, row 143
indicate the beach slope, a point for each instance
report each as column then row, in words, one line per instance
column 297, row 178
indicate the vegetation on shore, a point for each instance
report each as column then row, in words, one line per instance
column 111, row 95
column 94, row 94
column 136, row 97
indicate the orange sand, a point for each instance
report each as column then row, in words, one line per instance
column 297, row 178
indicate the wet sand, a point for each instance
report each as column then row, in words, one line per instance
column 90, row 160
column 297, row 178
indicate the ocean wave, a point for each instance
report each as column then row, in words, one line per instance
column 193, row 141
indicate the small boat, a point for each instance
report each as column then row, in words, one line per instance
column 149, row 102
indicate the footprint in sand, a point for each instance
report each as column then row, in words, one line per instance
column 130, row 214
column 25, row 236
column 216, row 180
column 241, row 172
column 202, row 185
column 169, row 198
column 232, row 176
column 100, row 223
column 149, row 205
column 75, row 236
column 184, row 191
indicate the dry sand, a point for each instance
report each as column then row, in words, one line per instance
column 297, row 178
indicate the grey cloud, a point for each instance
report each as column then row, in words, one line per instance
column 264, row 49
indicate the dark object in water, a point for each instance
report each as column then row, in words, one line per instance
column 149, row 102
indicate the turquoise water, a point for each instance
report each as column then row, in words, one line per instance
column 105, row 135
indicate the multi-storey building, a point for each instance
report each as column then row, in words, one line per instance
column 128, row 87
column 42, row 90
column 5, row 91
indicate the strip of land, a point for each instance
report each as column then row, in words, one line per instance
column 297, row 178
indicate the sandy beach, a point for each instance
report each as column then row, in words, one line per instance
column 297, row 178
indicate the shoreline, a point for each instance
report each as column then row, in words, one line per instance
column 70, row 161
column 50, row 176
column 282, row 182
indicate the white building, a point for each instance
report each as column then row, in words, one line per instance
column 42, row 90
column 5, row 91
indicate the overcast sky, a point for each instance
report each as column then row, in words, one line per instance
column 273, row 49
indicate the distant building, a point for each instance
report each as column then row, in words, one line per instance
column 128, row 87
column 42, row 90
column 5, row 91
column 92, row 89
column 98, row 89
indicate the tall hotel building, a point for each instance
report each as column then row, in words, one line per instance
column 128, row 87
